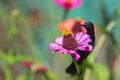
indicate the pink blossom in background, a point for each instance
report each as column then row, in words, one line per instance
column 42, row 69
column 68, row 4
column 34, row 67
column 70, row 24
column 69, row 44
column 27, row 64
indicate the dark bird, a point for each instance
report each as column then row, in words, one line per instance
column 90, row 31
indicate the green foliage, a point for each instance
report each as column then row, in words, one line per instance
column 21, row 77
column 12, row 31
column 51, row 76
column 101, row 72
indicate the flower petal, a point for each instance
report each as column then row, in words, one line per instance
column 59, row 2
column 54, row 47
column 85, row 41
column 84, row 37
column 63, row 51
column 82, row 47
column 66, row 25
column 59, row 40
column 42, row 69
column 86, row 48
column 75, row 56
column 78, row 36
column 72, row 51
column 89, row 48
column 71, row 5
column 77, row 3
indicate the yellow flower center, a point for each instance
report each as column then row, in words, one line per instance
column 67, row 32
column 34, row 67
column 78, row 19
column 15, row 12
column 68, row 1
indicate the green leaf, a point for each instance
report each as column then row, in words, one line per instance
column 21, row 77
column 52, row 76
column 100, row 71
column 3, row 56
column 12, row 31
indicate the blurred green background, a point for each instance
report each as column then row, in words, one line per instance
column 28, row 26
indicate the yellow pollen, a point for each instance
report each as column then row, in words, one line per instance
column 78, row 19
column 67, row 32
column 15, row 12
column 34, row 67
column 68, row 1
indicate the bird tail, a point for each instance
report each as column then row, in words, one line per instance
column 71, row 69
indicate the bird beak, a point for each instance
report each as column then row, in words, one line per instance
column 83, row 29
column 82, row 26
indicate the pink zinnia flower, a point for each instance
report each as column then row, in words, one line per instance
column 34, row 67
column 69, row 44
column 68, row 4
column 42, row 69
column 27, row 64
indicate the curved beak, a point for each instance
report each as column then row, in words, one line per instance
column 83, row 29
column 82, row 26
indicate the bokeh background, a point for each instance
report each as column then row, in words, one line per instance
column 28, row 26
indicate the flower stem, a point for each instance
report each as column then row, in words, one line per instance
column 32, row 75
column 78, row 76
column 65, row 15
column 76, row 65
